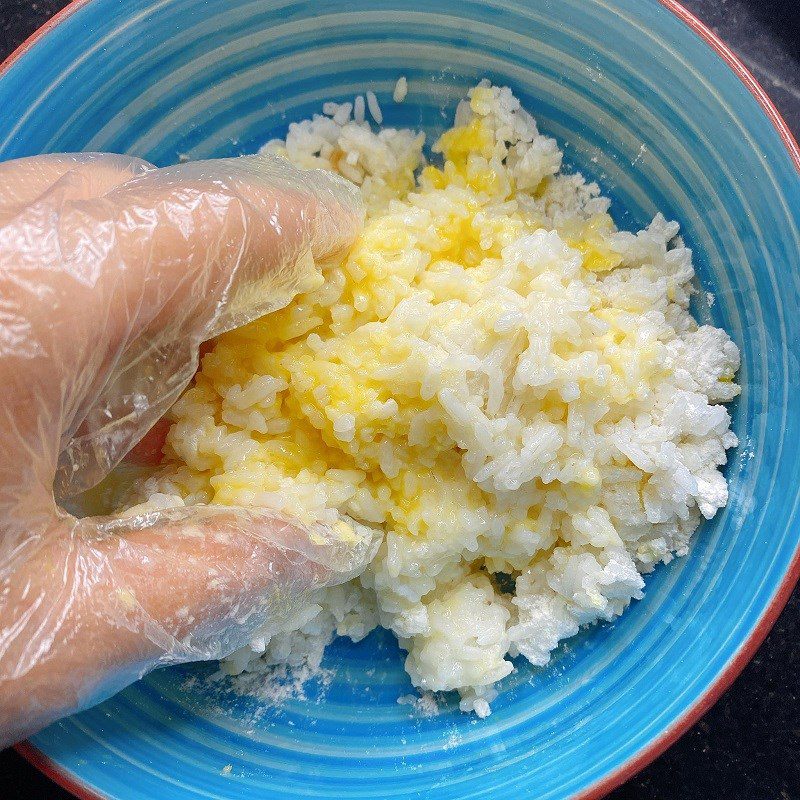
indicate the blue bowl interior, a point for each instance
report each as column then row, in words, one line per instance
column 643, row 106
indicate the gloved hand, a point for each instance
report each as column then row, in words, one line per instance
column 112, row 273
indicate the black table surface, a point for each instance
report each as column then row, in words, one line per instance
column 747, row 747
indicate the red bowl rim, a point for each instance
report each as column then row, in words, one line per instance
column 723, row 681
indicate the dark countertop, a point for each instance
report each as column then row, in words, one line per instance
column 747, row 747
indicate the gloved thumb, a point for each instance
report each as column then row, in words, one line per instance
column 113, row 598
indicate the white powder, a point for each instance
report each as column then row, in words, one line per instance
column 453, row 740
column 425, row 705
column 279, row 683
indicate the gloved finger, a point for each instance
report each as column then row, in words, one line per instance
column 248, row 229
column 162, row 587
column 109, row 266
column 24, row 180
column 42, row 183
column 118, row 291
column 270, row 188
column 229, row 241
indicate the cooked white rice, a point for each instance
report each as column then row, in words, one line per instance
column 496, row 380
column 374, row 108
column 400, row 89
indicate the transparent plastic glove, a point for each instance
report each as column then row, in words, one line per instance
column 112, row 273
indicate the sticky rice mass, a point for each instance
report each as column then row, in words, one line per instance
column 510, row 391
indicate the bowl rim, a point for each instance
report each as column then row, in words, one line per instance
column 748, row 648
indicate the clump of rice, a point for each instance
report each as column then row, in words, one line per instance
column 496, row 380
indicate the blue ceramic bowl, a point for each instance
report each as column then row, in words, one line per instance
column 663, row 116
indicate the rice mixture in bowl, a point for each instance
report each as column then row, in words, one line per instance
column 511, row 392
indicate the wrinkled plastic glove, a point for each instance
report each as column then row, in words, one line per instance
column 112, row 273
